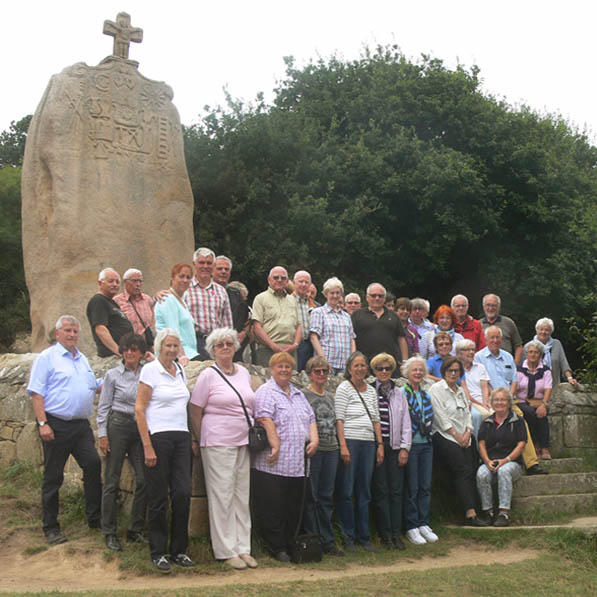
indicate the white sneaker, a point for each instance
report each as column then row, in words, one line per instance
column 428, row 534
column 414, row 536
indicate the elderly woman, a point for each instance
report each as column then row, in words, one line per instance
column 553, row 355
column 161, row 413
column 444, row 319
column 396, row 434
column 453, row 438
column 403, row 309
column 420, row 459
column 332, row 335
column 359, row 432
column 502, row 438
column 533, row 393
column 442, row 343
column 318, row 512
column 476, row 386
column 173, row 313
column 279, row 473
column 221, row 430
column 118, row 437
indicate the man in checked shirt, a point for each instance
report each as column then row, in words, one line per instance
column 207, row 300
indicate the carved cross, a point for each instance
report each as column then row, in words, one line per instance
column 123, row 34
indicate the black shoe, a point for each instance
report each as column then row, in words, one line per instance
column 398, row 544
column 94, row 524
column 162, row 564
column 136, row 537
column 332, row 550
column 475, row 521
column 536, row 470
column 182, row 559
column 501, row 521
column 55, row 537
column 113, row 543
column 387, row 543
column 282, row 556
column 487, row 516
column 350, row 547
column 368, row 546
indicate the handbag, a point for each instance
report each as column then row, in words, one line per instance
column 535, row 402
column 257, row 435
column 306, row 547
column 147, row 334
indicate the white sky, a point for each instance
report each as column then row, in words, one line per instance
column 536, row 52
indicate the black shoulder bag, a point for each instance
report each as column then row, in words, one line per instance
column 147, row 334
column 257, row 435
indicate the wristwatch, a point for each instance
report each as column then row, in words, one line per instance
column 42, row 423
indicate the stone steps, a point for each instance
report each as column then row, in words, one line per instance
column 565, row 504
column 555, row 484
column 563, row 465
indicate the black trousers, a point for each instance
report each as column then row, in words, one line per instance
column 462, row 463
column 276, row 503
column 70, row 437
column 171, row 474
column 539, row 428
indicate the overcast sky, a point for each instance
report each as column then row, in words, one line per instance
column 541, row 53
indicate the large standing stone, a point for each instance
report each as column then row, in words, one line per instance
column 104, row 184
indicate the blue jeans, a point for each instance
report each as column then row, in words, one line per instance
column 418, row 497
column 303, row 353
column 388, row 481
column 323, row 476
column 354, row 478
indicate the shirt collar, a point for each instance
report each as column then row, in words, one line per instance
column 66, row 352
column 195, row 283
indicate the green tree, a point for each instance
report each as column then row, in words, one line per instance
column 12, row 142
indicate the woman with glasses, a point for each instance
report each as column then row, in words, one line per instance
column 332, row 335
column 396, row 435
column 319, row 508
column 221, row 431
column 453, row 439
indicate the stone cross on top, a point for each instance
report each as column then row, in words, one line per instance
column 123, row 34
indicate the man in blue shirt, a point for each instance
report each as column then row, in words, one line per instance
column 62, row 387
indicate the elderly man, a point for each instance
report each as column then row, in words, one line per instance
column 108, row 323
column 62, row 387
column 207, row 301
column 275, row 319
column 501, row 369
column 418, row 308
column 305, row 304
column 511, row 340
column 352, row 302
column 136, row 305
column 465, row 325
column 377, row 328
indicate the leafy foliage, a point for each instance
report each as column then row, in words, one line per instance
column 12, row 142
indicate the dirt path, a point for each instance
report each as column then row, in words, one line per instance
column 61, row 568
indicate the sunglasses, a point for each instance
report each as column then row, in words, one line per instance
column 224, row 345
column 321, row 371
column 280, row 277
column 377, row 296
column 384, row 368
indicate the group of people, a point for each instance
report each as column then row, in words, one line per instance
column 473, row 397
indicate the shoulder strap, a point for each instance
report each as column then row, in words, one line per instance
column 236, row 391
column 365, row 405
column 137, row 312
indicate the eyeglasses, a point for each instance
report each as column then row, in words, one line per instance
column 135, row 280
column 225, row 344
column 353, row 302
column 377, row 296
column 453, row 371
column 321, row 371
column 279, row 277
column 384, row 368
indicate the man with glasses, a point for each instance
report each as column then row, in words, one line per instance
column 276, row 320
column 418, row 308
column 352, row 302
column 465, row 325
column 136, row 305
column 377, row 328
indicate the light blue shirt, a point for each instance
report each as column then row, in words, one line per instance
column 171, row 314
column 66, row 383
column 426, row 326
column 501, row 369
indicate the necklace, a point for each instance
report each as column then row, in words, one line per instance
column 178, row 297
column 230, row 372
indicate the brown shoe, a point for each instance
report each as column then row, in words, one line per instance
column 545, row 455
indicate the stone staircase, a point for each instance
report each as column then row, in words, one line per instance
column 567, row 489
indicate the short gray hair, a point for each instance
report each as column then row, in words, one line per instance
column 376, row 284
column 406, row 366
column 457, row 296
column 351, row 295
column 502, row 390
column 418, row 303
column 67, row 319
column 332, row 283
column 224, row 258
column 493, row 327
column 545, row 321
column 131, row 272
column 499, row 300
column 537, row 344
column 164, row 333
column 102, row 275
column 218, row 335
column 462, row 344
column 203, row 252
column 239, row 286
column 301, row 271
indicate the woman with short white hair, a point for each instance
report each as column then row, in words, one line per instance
column 332, row 334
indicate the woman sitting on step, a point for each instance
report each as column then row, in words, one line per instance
column 502, row 437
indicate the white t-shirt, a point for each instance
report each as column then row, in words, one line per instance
column 474, row 376
column 167, row 408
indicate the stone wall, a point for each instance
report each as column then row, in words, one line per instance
column 573, row 423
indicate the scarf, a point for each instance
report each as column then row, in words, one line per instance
column 547, row 352
column 532, row 377
column 420, row 421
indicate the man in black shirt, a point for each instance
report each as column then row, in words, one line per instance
column 377, row 328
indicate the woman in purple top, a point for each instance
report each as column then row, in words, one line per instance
column 279, row 473
column 533, row 393
column 403, row 309
column 221, row 431
column 396, row 434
